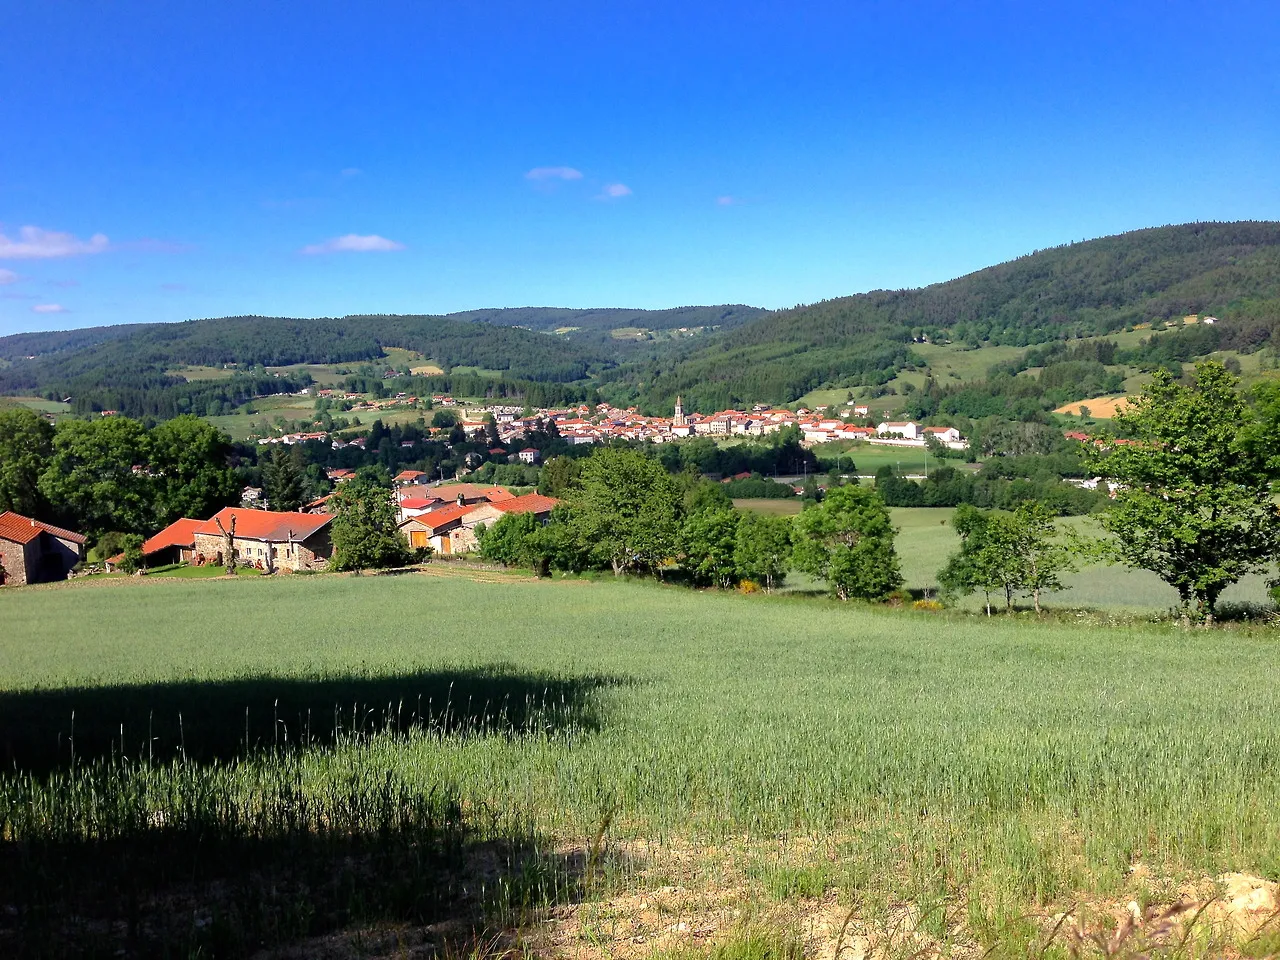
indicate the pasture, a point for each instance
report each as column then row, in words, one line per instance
column 597, row 745
column 38, row 404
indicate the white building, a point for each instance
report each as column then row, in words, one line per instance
column 908, row 430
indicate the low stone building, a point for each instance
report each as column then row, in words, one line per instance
column 35, row 552
column 266, row 539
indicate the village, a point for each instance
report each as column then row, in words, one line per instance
column 603, row 423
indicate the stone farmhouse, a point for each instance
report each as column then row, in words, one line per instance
column 266, row 538
column 452, row 529
column 35, row 552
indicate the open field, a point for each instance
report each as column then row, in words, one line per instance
column 1100, row 408
column 240, row 425
column 741, row 759
column 926, row 539
column 38, row 404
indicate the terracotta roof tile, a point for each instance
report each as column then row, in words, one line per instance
column 20, row 529
column 266, row 524
column 180, row 533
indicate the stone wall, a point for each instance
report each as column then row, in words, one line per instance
column 310, row 554
column 15, row 558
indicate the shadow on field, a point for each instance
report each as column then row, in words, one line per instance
column 219, row 720
column 176, row 847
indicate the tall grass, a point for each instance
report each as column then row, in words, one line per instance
column 1013, row 765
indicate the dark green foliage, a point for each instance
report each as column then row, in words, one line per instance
column 559, row 475
column 708, row 541
column 1195, row 503
column 364, row 530
column 1003, row 482
column 1007, row 553
column 131, row 546
column 757, row 487
column 703, row 495
column 763, row 550
column 282, row 479
column 626, row 510
column 26, row 444
column 98, row 476
column 508, row 541
column 189, row 463
column 847, row 540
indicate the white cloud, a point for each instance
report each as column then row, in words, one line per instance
column 33, row 243
column 351, row 171
column 553, row 173
column 48, row 308
column 727, row 201
column 7, row 277
column 352, row 243
column 613, row 191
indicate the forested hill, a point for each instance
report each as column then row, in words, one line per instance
column 1094, row 287
column 133, row 367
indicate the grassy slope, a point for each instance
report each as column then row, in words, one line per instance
column 1044, row 757
column 926, row 538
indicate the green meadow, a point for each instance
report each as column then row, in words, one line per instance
column 611, row 739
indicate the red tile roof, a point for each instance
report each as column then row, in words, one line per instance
column 529, row 503
column 444, row 516
column 266, row 524
column 180, row 533
column 20, row 529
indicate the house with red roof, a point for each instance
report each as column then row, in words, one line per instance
column 176, row 543
column 35, row 552
column 408, row 476
column 266, row 538
column 452, row 529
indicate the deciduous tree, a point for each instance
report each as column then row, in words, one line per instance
column 626, row 510
column 708, row 540
column 26, row 444
column 1194, row 504
column 364, row 530
column 847, row 540
column 99, row 475
column 763, row 549
column 189, row 458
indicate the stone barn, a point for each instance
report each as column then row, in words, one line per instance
column 35, row 552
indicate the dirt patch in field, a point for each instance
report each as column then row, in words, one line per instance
column 1103, row 408
column 427, row 370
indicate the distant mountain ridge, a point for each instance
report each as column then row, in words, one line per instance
column 716, row 356
column 1089, row 288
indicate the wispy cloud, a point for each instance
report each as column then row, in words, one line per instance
column 728, row 201
column 34, row 243
column 64, row 284
column 7, row 277
column 352, row 172
column 49, row 308
column 614, row 191
column 352, row 243
column 173, row 287
column 553, row 173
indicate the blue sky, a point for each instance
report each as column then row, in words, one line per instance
column 163, row 161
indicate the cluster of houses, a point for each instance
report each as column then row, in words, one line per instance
column 585, row 424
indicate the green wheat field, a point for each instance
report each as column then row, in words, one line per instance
column 871, row 756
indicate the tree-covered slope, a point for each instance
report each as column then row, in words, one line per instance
column 1095, row 287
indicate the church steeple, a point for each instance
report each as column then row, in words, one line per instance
column 678, row 420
